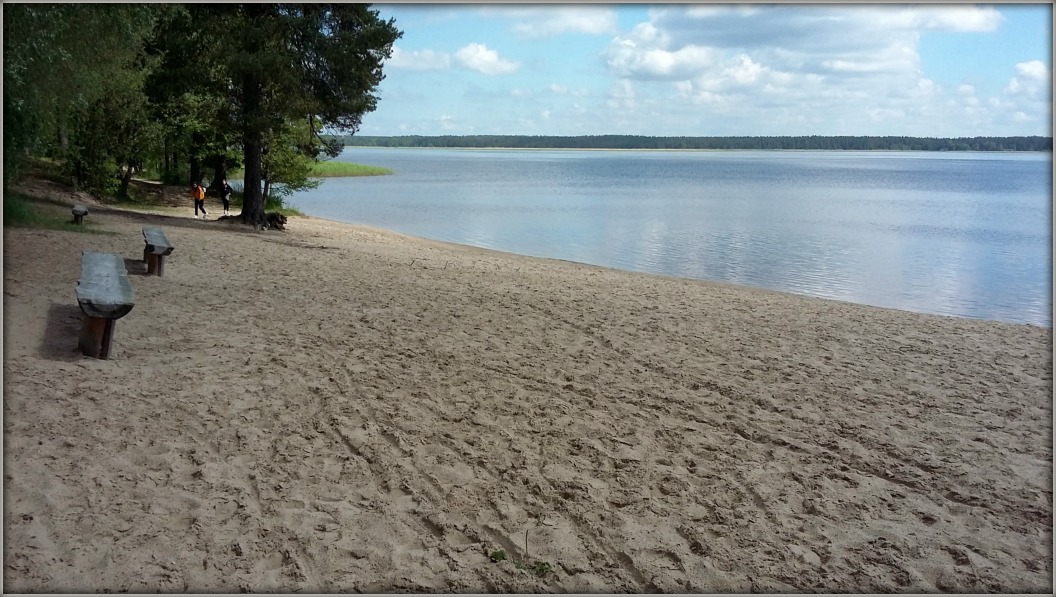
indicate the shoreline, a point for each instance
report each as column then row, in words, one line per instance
column 341, row 408
column 423, row 239
column 705, row 150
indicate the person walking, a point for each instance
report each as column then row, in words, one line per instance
column 198, row 192
column 225, row 196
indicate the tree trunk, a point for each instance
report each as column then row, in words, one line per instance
column 252, row 199
column 126, row 177
column 197, row 140
column 219, row 175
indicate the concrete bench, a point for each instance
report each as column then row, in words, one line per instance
column 157, row 249
column 104, row 294
column 79, row 211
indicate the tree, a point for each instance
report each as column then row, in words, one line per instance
column 287, row 159
column 58, row 62
column 318, row 63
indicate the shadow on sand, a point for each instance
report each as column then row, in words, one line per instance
column 61, row 335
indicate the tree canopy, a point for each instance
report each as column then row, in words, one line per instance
column 183, row 88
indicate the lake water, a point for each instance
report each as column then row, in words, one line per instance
column 964, row 234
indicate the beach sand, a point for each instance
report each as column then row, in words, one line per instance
column 335, row 408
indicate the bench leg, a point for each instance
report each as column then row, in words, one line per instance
column 153, row 263
column 96, row 336
column 161, row 264
column 79, row 220
column 108, row 338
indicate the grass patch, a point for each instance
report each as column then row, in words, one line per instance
column 274, row 205
column 330, row 169
column 21, row 211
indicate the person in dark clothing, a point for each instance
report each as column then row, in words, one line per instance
column 225, row 196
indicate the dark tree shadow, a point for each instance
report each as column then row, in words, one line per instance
column 62, row 333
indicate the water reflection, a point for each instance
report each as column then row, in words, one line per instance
column 956, row 234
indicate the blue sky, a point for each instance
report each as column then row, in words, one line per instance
column 711, row 69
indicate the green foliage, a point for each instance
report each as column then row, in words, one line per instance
column 59, row 60
column 176, row 89
column 331, row 169
column 26, row 212
column 702, row 143
column 17, row 211
column 537, row 568
column 287, row 63
column 540, row 568
column 286, row 165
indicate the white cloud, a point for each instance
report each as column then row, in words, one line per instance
column 553, row 20
column 1032, row 79
column 735, row 69
column 950, row 18
column 622, row 96
column 830, row 70
column 418, row 60
column 743, row 70
column 1035, row 69
column 479, row 58
column 644, row 55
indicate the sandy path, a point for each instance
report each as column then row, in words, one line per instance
column 334, row 408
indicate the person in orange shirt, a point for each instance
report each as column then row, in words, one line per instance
column 198, row 192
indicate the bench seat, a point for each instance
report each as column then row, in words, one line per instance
column 156, row 250
column 104, row 294
column 79, row 211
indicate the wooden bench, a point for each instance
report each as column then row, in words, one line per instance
column 79, row 211
column 104, row 294
column 157, row 249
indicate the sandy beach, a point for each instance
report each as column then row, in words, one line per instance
column 333, row 408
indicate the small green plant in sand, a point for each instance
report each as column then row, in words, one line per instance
column 536, row 568
column 498, row 556
column 539, row 569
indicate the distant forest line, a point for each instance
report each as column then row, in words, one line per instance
column 642, row 142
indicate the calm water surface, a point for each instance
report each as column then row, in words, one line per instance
column 965, row 234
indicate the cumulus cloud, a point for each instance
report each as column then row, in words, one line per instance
column 554, row 20
column 1032, row 78
column 833, row 41
column 622, row 96
column 833, row 68
column 479, row 58
column 418, row 59
column 1028, row 95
